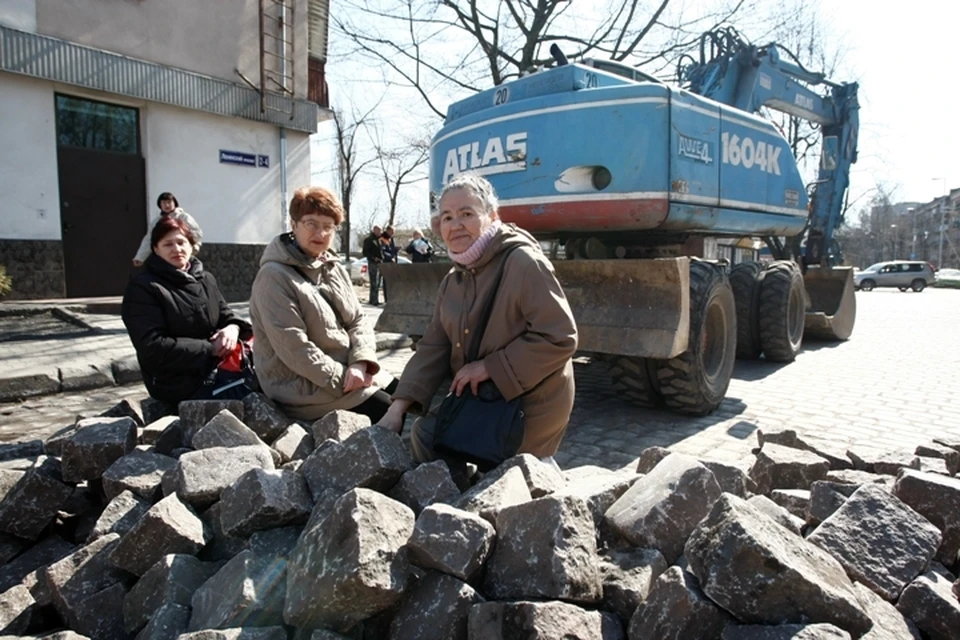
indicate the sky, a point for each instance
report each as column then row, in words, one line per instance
column 906, row 61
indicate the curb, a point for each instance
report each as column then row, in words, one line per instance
column 119, row 372
column 70, row 378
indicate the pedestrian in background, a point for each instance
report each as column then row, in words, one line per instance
column 373, row 252
column 419, row 249
column 391, row 252
column 169, row 206
column 389, row 255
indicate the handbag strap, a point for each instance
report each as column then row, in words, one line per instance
column 323, row 294
column 488, row 308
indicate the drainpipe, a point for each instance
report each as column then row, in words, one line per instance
column 283, row 179
column 283, row 130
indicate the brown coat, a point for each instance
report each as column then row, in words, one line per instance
column 301, row 348
column 528, row 345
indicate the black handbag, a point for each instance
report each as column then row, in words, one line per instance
column 233, row 378
column 484, row 429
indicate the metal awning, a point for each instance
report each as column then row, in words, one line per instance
column 48, row 58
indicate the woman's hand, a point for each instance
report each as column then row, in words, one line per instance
column 471, row 374
column 137, row 263
column 225, row 340
column 393, row 418
column 356, row 377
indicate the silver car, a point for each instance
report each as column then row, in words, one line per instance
column 357, row 268
column 903, row 274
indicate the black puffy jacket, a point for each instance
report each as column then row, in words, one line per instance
column 170, row 316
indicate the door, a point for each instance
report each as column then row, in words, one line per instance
column 102, row 194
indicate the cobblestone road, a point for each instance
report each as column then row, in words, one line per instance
column 895, row 384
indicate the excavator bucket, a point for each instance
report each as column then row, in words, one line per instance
column 832, row 306
column 625, row 307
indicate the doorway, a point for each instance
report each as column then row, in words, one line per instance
column 102, row 194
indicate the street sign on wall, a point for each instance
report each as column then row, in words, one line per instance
column 244, row 159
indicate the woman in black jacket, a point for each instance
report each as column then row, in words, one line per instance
column 177, row 319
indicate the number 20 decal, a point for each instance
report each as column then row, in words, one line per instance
column 501, row 96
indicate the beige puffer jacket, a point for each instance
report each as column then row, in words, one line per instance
column 301, row 347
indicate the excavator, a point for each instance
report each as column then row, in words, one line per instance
column 633, row 179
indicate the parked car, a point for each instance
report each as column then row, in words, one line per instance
column 902, row 274
column 357, row 268
column 948, row 278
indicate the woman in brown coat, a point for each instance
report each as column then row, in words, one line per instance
column 530, row 338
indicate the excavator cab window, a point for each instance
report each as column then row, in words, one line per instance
column 828, row 157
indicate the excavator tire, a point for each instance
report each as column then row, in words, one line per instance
column 696, row 381
column 782, row 310
column 745, row 282
column 634, row 379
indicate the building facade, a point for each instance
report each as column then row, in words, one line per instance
column 935, row 230
column 108, row 103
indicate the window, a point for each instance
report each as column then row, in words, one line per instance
column 97, row 125
column 915, row 266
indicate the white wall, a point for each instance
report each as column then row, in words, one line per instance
column 28, row 160
column 232, row 203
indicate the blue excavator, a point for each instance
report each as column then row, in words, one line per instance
column 631, row 183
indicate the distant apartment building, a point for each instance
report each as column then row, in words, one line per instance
column 108, row 103
column 935, row 230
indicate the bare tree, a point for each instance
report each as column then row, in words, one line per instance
column 400, row 166
column 883, row 231
column 438, row 46
column 798, row 30
column 350, row 164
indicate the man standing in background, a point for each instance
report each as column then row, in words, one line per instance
column 390, row 253
column 373, row 252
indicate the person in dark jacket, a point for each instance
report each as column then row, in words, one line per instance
column 373, row 252
column 177, row 319
column 390, row 252
column 419, row 249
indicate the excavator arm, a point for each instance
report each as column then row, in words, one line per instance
column 749, row 77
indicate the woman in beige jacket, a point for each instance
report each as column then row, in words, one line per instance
column 530, row 338
column 313, row 349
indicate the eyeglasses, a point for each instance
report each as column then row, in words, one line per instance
column 313, row 227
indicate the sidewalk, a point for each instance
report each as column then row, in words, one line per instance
column 54, row 346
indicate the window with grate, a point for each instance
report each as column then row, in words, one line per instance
column 90, row 124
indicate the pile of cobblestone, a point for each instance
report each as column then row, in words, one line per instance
column 229, row 520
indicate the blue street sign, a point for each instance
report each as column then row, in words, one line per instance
column 236, row 157
column 263, row 161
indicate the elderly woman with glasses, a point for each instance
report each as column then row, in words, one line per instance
column 314, row 351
